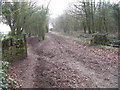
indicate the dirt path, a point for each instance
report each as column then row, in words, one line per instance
column 63, row 63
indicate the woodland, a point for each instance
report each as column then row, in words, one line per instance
column 81, row 49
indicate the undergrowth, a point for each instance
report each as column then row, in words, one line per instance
column 5, row 81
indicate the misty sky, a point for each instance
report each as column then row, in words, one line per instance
column 57, row 7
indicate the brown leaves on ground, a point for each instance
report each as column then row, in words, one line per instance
column 63, row 63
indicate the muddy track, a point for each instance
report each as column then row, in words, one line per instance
column 58, row 62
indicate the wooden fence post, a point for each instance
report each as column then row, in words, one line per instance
column 25, row 44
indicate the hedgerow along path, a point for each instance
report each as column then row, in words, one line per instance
column 59, row 62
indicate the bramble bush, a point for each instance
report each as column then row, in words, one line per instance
column 5, row 81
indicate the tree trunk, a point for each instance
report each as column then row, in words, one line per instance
column 84, row 26
column 119, row 24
